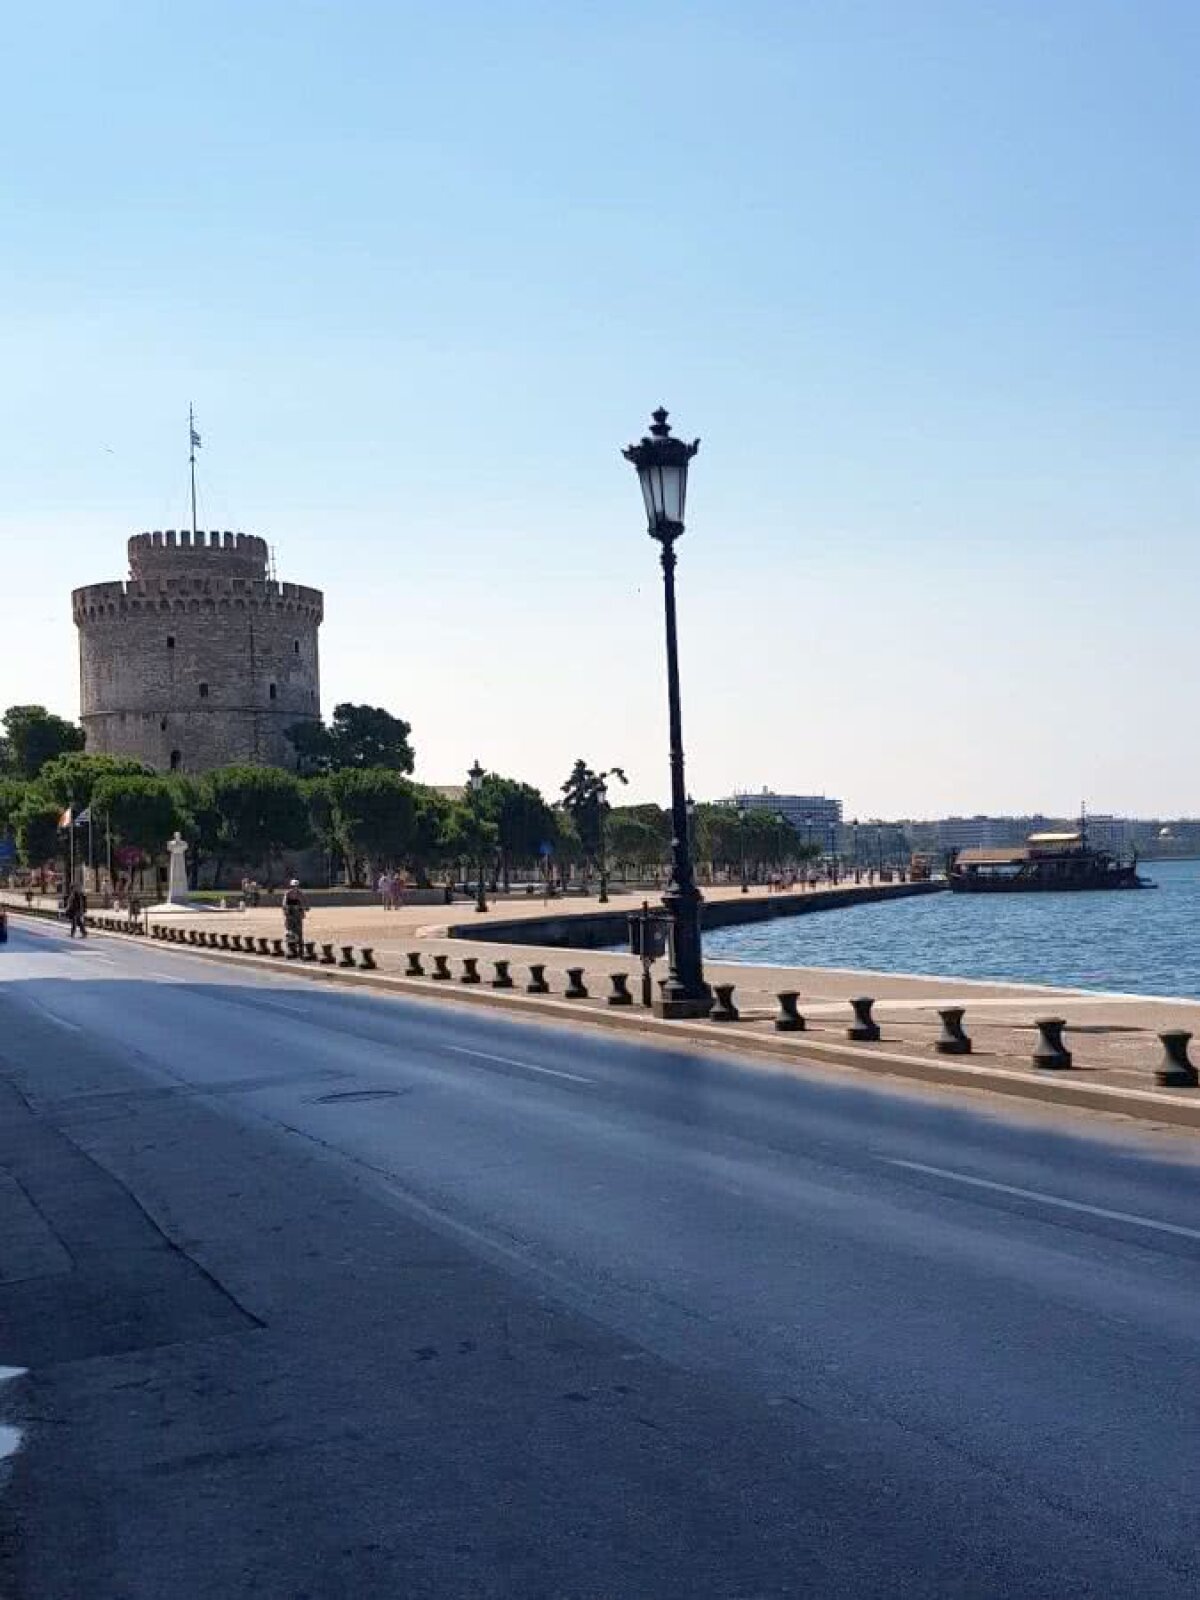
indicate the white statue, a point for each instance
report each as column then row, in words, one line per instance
column 177, row 884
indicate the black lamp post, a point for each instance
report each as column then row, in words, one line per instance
column 475, row 782
column 662, row 469
column 742, row 845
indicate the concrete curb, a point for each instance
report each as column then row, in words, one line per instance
column 1175, row 1108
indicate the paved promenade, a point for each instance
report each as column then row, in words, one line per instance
column 1113, row 1037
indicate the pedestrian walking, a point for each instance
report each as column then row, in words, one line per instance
column 76, row 909
column 385, row 888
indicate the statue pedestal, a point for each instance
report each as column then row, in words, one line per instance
column 177, row 903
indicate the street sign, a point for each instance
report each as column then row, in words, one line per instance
column 545, row 848
column 8, row 850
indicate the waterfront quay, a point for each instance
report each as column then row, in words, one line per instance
column 1113, row 1038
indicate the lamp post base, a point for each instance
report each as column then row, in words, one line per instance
column 682, row 1007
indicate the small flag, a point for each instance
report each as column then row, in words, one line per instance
column 65, row 820
column 84, row 816
column 195, row 440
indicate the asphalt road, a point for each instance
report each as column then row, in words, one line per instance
column 324, row 1294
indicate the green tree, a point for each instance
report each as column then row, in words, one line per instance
column 39, row 841
column 437, row 835
column 33, row 736
column 322, row 820
column 358, row 737
column 262, row 812
column 374, row 813
column 638, row 837
column 14, row 794
column 139, row 812
column 522, row 818
column 71, row 778
column 585, row 799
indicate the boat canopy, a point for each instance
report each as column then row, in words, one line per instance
column 1011, row 857
column 1055, row 838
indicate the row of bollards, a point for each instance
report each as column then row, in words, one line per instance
column 261, row 945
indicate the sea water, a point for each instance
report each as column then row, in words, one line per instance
column 1144, row 942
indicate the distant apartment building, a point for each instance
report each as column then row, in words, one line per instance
column 981, row 833
column 812, row 815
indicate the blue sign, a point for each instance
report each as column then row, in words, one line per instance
column 545, row 848
column 8, row 850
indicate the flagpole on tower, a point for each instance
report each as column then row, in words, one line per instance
column 194, row 438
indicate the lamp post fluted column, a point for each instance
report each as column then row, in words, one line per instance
column 662, row 464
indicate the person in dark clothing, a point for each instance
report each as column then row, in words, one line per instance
column 294, row 908
column 76, row 909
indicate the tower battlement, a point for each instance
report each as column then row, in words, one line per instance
column 159, row 553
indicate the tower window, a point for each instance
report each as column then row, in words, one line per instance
column 204, row 691
column 296, row 646
column 163, row 725
column 170, row 641
column 176, row 758
column 273, row 691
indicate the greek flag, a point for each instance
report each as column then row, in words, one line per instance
column 195, row 440
column 84, row 816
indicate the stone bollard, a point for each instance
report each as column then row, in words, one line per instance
column 537, row 979
column 224, row 937
column 367, row 956
column 470, row 971
column 194, row 936
column 264, row 945
column 156, row 930
column 620, row 995
column 415, row 967
column 295, row 950
column 953, row 1039
column 575, row 989
column 723, row 1008
column 789, row 1019
column 277, row 949
column 1050, row 1052
column 347, row 956
column 310, row 950
column 213, row 940
column 327, row 956
column 1175, row 1070
column 864, row 1027
column 503, row 978
column 235, row 941
column 441, row 969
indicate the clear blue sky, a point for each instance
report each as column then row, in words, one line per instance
column 923, row 276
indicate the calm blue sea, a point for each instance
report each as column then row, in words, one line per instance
column 1147, row 942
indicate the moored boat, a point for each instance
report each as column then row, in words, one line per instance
column 1045, row 862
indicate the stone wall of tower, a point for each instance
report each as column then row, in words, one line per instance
column 199, row 659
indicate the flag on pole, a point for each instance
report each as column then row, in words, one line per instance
column 65, row 820
column 84, row 816
column 195, row 439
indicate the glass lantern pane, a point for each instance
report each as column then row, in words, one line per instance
column 645, row 475
column 672, row 493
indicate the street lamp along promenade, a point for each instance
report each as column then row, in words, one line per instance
column 662, row 468
column 475, row 778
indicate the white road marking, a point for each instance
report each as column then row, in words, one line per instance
column 1050, row 1199
column 527, row 1066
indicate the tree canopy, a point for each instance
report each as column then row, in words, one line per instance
column 32, row 736
column 585, row 799
column 357, row 737
column 140, row 812
column 374, row 815
column 262, row 811
column 72, row 778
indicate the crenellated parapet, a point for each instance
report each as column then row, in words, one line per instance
column 96, row 602
column 161, row 554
